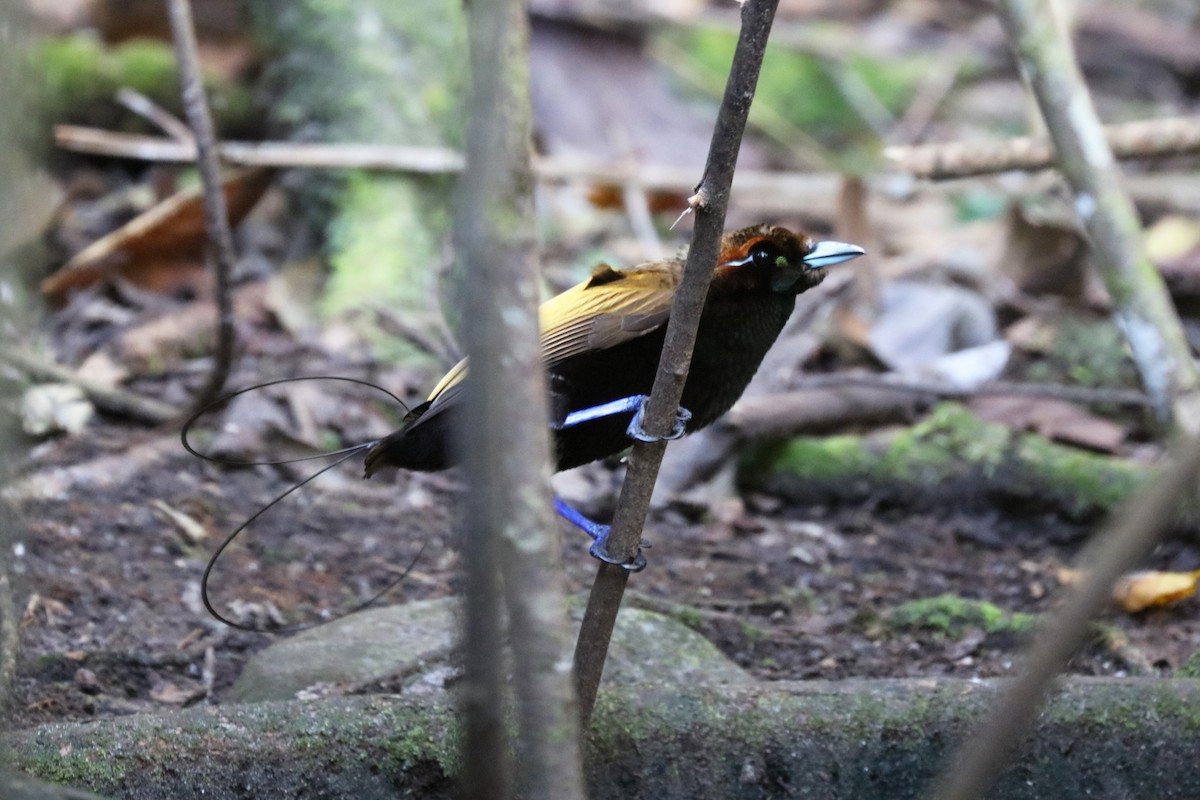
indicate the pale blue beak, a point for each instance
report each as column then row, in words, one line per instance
column 826, row 254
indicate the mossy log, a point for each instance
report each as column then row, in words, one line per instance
column 860, row 739
column 950, row 457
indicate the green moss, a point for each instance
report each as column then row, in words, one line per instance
column 78, row 77
column 752, row 633
column 948, row 615
column 78, row 769
column 1189, row 668
column 1088, row 351
column 831, row 457
column 691, row 617
column 401, row 79
column 1092, row 481
column 978, row 203
column 953, row 452
column 384, row 245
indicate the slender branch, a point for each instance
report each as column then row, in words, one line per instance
column 1155, row 138
column 1057, row 391
column 10, row 641
column 605, row 599
column 433, row 160
column 151, row 111
column 504, row 441
column 216, row 217
column 753, row 190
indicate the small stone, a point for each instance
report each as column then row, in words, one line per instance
column 86, row 681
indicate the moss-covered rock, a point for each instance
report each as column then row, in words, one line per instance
column 861, row 739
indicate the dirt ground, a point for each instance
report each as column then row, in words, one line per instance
column 113, row 624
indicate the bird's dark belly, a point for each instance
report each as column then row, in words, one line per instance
column 730, row 346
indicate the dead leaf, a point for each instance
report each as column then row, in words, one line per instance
column 191, row 330
column 1033, row 334
column 174, row 695
column 1148, row 589
column 1138, row 591
column 292, row 294
column 919, row 322
column 100, row 368
column 55, row 408
column 192, row 529
column 163, row 247
column 1172, row 237
column 1054, row 419
column 1044, row 257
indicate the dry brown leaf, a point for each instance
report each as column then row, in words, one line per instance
column 1032, row 334
column 1172, row 237
column 163, row 246
column 1054, row 419
column 1138, row 591
column 189, row 331
column 1043, row 257
column 173, row 695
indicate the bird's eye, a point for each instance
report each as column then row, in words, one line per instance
column 763, row 256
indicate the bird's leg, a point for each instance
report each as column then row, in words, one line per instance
column 636, row 431
column 624, row 405
column 599, row 534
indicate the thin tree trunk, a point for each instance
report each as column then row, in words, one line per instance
column 505, row 440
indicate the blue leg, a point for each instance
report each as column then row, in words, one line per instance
column 624, row 405
column 599, row 534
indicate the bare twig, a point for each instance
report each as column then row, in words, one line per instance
column 216, row 217
column 1123, row 543
column 435, row 160
column 1058, row 391
column 504, row 441
column 605, row 599
column 146, row 108
column 107, row 398
column 754, row 191
column 10, row 644
column 1156, row 138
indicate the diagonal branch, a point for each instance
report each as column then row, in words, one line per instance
column 216, row 216
column 713, row 193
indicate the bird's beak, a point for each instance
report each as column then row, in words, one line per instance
column 826, row 254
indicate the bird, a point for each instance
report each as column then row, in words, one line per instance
column 601, row 341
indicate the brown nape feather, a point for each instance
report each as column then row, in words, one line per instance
column 602, row 340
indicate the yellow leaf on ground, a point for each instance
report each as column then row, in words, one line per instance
column 1138, row 591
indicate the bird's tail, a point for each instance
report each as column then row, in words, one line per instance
column 272, row 621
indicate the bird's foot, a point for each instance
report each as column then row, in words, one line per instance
column 636, row 431
column 599, row 534
column 599, row 549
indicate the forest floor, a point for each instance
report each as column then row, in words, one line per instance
column 109, row 568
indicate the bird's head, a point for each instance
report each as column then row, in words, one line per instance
column 770, row 258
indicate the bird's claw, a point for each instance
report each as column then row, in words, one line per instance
column 636, row 431
column 600, row 550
